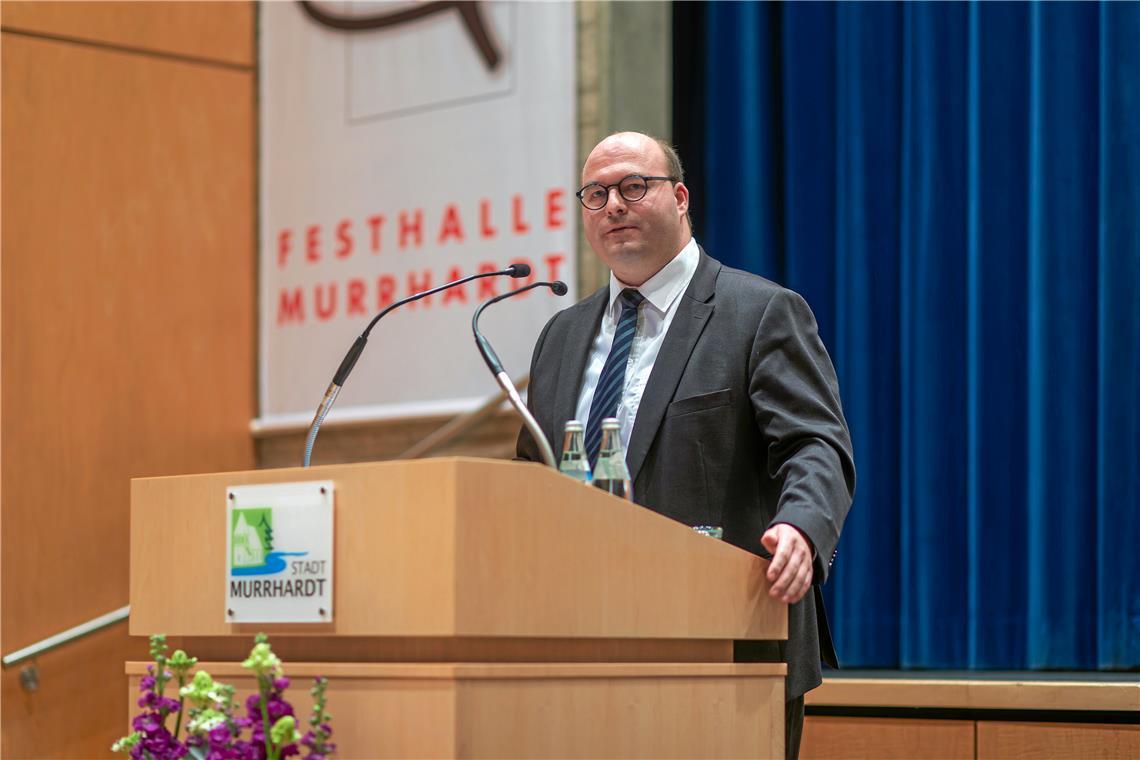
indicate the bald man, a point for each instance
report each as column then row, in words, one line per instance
column 727, row 400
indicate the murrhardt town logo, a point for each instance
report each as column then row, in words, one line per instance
column 252, row 553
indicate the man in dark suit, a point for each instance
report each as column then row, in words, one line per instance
column 728, row 403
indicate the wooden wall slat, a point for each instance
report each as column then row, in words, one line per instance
column 999, row 740
column 127, row 307
column 77, row 711
column 828, row 737
column 127, row 339
column 217, row 31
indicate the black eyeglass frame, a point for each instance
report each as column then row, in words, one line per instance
column 618, row 185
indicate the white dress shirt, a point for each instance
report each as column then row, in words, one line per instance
column 662, row 294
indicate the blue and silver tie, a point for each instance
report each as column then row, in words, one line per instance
column 607, row 394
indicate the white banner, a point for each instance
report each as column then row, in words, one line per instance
column 395, row 158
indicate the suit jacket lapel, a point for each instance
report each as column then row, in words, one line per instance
column 689, row 322
column 575, row 354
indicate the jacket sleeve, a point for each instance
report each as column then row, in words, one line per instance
column 795, row 397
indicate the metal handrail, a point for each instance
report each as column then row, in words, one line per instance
column 66, row 637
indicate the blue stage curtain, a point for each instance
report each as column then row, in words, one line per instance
column 955, row 188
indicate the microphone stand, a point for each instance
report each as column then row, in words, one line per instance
column 357, row 348
column 504, row 380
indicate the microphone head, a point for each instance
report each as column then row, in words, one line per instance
column 519, row 270
column 559, row 288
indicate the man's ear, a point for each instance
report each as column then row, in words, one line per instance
column 681, row 194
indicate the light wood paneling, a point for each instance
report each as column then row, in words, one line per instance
column 127, row 308
column 966, row 693
column 463, row 547
column 215, row 31
column 1059, row 741
column 75, row 712
column 539, row 711
column 127, row 318
column 827, row 738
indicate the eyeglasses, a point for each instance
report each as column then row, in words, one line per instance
column 632, row 188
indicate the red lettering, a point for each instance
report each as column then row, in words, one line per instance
column 284, row 241
column 415, row 286
column 289, row 306
column 414, row 228
column 375, row 223
column 451, row 226
column 326, row 310
column 356, row 297
column 553, row 261
column 459, row 292
column 523, row 281
column 312, row 243
column 344, row 235
column 485, row 228
column 521, row 225
column 487, row 287
column 555, row 207
column 385, row 291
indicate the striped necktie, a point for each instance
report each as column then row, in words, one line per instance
column 607, row 393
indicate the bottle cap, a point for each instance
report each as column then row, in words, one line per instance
column 610, row 423
column 573, row 426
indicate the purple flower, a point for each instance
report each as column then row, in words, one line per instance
column 146, row 722
column 147, row 682
column 278, row 709
column 220, row 734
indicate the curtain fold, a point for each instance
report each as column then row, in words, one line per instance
column 955, row 188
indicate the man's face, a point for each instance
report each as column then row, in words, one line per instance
column 635, row 239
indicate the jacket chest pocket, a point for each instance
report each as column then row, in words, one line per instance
column 700, row 403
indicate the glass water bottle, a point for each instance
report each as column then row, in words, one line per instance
column 574, row 462
column 611, row 474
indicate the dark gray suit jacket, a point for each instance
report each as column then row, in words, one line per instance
column 740, row 425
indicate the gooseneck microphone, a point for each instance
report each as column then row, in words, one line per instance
column 504, row 380
column 357, row 348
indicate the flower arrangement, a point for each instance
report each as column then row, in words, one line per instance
column 214, row 729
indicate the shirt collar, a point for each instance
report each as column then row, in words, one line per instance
column 665, row 287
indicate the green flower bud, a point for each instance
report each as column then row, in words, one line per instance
column 157, row 646
column 284, row 731
column 201, row 691
column 262, row 661
column 205, row 722
column 180, row 663
column 127, row 743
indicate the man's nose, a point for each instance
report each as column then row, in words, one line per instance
column 615, row 203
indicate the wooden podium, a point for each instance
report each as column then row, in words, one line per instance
column 484, row 609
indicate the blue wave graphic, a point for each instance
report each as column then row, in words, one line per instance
column 274, row 564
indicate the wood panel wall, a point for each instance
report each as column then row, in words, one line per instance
column 127, row 337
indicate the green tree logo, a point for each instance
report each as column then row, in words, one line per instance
column 251, row 536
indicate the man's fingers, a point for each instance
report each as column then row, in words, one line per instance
column 800, row 585
column 780, row 556
column 787, row 577
column 790, row 571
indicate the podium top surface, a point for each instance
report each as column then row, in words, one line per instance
column 457, row 547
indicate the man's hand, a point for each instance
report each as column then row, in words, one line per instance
column 790, row 571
